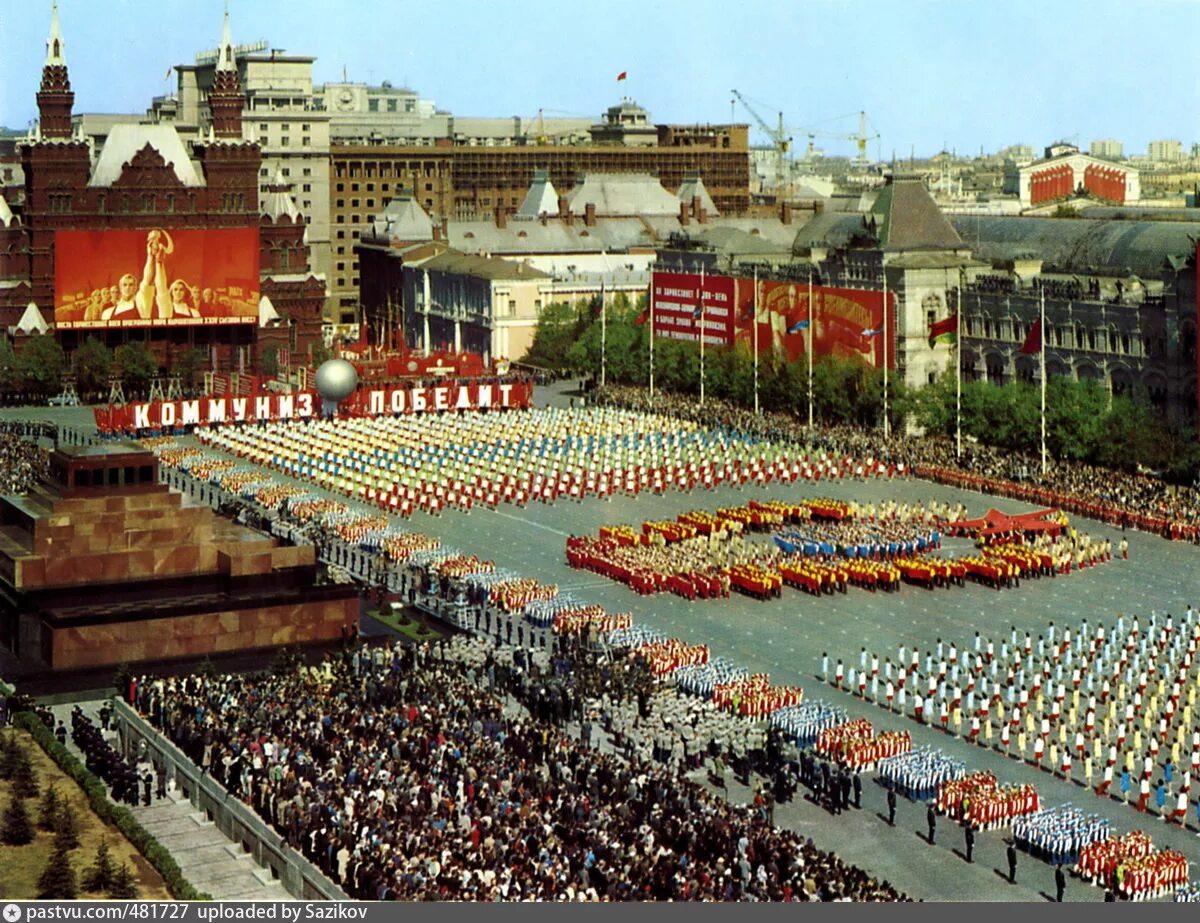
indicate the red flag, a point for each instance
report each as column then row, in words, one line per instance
column 622, row 75
column 1033, row 342
column 943, row 330
column 642, row 318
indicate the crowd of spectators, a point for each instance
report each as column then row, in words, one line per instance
column 22, row 462
column 412, row 773
column 1122, row 498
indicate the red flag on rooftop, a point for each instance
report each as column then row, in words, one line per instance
column 1033, row 342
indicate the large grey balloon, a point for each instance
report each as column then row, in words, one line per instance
column 336, row 380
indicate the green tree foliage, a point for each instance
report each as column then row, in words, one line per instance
column 320, row 354
column 8, row 364
column 57, row 881
column 136, row 365
column 49, row 808
column 40, row 364
column 17, row 829
column 124, row 884
column 66, row 827
column 93, row 365
column 268, row 361
column 21, row 774
column 100, row 874
column 186, row 366
column 559, row 327
column 8, row 753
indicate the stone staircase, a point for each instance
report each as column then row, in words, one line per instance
column 207, row 858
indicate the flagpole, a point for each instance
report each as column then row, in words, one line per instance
column 702, row 321
column 756, row 341
column 958, row 369
column 603, row 338
column 886, row 422
column 812, row 321
column 1042, row 367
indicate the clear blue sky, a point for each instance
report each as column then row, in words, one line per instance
column 959, row 73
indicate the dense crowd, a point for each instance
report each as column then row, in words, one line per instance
column 22, row 462
column 1119, row 497
column 407, row 774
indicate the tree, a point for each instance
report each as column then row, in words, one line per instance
column 93, row 365
column 18, row 828
column 57, row 881
column 24, row 782
column 558, row 328
column 124, row 884
column 8, row 753
column 101, row 874
column 40, row 364
column 268, row 361
column 66, row 828
column 186, row 366
column 320, row 354
column 50, row 806
column 136, row 365
column 8, row 363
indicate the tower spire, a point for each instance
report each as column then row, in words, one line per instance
column 55, row 99
column 56, row 48
column 225, row 60
column 225, row 99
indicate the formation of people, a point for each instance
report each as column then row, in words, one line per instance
column 1112, row 706
column 1119, row 498
column 430, row 462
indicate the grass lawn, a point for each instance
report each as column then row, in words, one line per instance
column 407, row 626
column 21, row 866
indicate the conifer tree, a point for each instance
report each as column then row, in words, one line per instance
column 66, row 827
column 124, row 884
column 100, row 875
column 18, row 828
column 57, row 881
column 51, row 803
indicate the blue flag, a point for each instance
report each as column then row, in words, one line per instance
column 699, row 310
column 798, row 326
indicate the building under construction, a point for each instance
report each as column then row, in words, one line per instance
column 468, row 183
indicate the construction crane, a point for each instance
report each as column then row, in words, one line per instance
column 860, row 138
column 537, row 132
column 780, row 141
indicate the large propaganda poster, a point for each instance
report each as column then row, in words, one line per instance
column 155, row 277
column 844, row 322
column 677, row 313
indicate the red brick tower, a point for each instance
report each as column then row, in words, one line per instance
column 55, row 99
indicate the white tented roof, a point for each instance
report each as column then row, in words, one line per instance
column 541, row 199
column 266, row 311
column 693, row 187
column 124, row 141
column 31, row 321
column 620, row 195
column 403, row 219
column 276, row 205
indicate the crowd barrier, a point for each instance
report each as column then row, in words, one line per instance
column 232, row 817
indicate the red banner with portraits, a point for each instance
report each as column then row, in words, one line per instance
column 156, row 277
column 840, row 321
